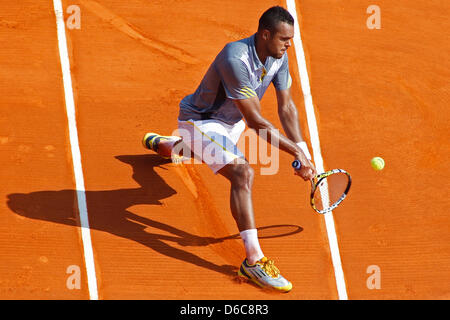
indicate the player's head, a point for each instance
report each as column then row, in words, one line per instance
column 275, row 30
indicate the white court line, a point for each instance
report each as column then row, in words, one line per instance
column 76, row 155
column 315, row 143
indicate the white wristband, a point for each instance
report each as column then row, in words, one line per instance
column 304, row 148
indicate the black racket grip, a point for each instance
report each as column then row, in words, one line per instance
column 296, row 164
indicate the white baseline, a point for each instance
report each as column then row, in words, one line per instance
column 315, row 144
column 76, row 155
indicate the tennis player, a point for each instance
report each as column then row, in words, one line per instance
column 215, row 115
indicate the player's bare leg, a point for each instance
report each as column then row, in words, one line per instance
column 240, row 176
column 256, row 266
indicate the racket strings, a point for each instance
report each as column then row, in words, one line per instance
column 330, row 190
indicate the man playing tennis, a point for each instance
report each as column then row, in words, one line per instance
column 213, row 116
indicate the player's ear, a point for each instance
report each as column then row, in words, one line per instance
column 265, row 35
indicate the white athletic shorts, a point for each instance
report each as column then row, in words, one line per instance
column 212, row 141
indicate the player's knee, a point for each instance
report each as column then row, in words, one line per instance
column 243, row 175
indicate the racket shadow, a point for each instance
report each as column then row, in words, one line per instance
column 269, row 232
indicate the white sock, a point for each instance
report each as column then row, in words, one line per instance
column 251, row 244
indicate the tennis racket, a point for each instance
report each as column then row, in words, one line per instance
column 328, row 189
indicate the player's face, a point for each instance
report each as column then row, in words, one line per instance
column 281, row 40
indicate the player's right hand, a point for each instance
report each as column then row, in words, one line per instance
column 307, row 170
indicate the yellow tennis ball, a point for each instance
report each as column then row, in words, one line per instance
column 377, row 163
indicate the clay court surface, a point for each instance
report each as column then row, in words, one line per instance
column 165, row 231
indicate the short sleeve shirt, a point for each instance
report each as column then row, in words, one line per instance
column 236, row 73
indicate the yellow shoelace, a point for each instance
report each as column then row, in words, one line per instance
column 269, row 267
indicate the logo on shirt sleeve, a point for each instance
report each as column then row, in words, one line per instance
column 246, row 91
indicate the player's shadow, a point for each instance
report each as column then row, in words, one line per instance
column 108, row 212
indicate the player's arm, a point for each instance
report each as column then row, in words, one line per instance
column 288, row 115
column 287, row 112
column 250, row 109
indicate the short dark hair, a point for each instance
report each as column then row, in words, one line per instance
column 272, row 17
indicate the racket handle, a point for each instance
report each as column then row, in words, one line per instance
column 296, row 164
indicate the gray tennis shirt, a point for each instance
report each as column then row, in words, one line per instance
column 236, row 73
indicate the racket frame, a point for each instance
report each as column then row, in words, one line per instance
column 319, row 178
